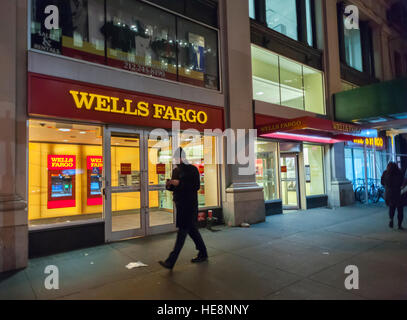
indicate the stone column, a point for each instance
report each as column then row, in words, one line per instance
column 13, row 214
column 340, row 190
column 243, row 199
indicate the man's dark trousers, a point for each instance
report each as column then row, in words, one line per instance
column 181, row 236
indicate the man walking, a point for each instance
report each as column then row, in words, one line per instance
column 185, row 183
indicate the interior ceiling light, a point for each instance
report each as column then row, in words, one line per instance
column 64, row 129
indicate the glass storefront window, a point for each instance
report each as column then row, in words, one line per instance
column 197, row 50
column 282, row 17
column 349, row 164
column 314, row 170
column 285, row 82
column 138, row 37
column 201, row 152
column 355, row 165
column 79, row 35
column 267, row 168
column 65, row 171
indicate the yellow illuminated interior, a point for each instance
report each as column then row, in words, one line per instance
column 53, row 138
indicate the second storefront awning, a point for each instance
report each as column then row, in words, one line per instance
column 310, row 129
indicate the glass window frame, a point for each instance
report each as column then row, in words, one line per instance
column 176, row 15
column 217, row 144
column 301, row 20
column 323, row 171
column 279, row 57
column 366, row 43
column 277, row 166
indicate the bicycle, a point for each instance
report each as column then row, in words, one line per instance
column 374, row 191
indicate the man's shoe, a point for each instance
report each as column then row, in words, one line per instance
column 391, row 224
column 199, row 259
column 165, row 264
column 401, row 228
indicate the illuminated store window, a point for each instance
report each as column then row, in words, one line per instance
column 200, row 151
column 65, row 169
column 79, row 35
column 314, row 90
column 198, row 55
column 139, row 37
column 349, row 165
column 267, row 168
column 291, row 86
column 266, row 76
column 279, row 80
column 314, row 170
column 282, row 17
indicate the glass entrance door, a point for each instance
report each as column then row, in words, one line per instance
column 135, row 171
column 289, row 181
column 160, row 216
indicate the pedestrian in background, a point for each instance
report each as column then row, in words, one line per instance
column 392, row 180
column 185, row 183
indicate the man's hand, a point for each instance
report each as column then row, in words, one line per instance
column 175, row 183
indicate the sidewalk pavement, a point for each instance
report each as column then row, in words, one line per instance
column 301, row 255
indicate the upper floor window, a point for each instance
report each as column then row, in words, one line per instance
column 282, row 17
column 353, row 48
column 356, row 44
column 282, row 81
column 130, row 35
column 293, row 18
column 252, row 9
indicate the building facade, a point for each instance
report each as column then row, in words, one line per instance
column 89, row 83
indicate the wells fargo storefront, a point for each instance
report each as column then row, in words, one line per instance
column 97, row 170
column 291, row 165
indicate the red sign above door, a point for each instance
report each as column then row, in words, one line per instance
column 62, row 98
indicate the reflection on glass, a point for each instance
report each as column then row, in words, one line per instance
column 159, row 170
column 281, row 16
column 197, row 53
column 292, row 93
column 251, row 9
column 289, row 182
column 310, row 31
column 203, row 156
column 267, row 168
column 353, row 48
column 79, row 35
column 125, row 171
column 140, row 38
